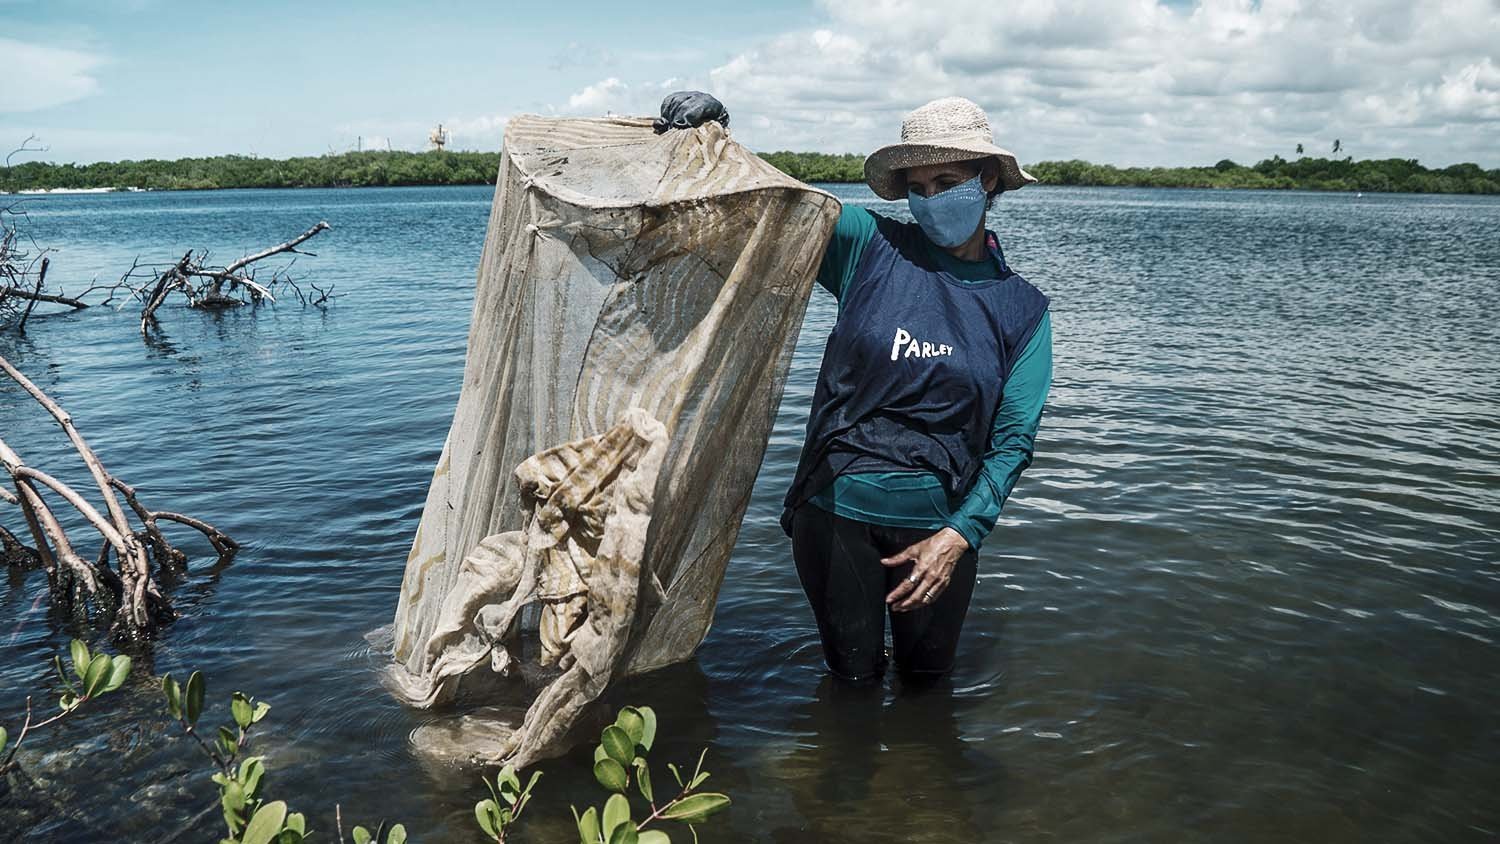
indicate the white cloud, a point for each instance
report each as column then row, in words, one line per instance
column 1136, row 81
column 598, row 97
column 612, row 96
column 38, row 77
column 480, row 132
column 1471, row 94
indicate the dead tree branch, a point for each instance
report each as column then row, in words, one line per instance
column 23, row 272
column 25, row 147
column 53, row 298
column 289, row 246
column 24, row 265
column 207, row 286
column 132, row 594
column 41, row 281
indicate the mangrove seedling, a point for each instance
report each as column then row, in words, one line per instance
column 505, row 804
column 96, row 675
column 619, row 761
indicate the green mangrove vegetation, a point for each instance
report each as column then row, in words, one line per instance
column 1401, row 175
column 344, row 170
column 379, row 168
column 250, row 817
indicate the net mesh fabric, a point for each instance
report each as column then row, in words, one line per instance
column 628, row 278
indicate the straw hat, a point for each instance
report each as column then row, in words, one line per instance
column 949, row 129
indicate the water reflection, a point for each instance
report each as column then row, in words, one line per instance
column 873, row 765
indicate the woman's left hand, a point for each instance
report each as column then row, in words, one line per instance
column 933, row 559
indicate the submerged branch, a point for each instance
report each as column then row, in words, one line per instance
column 207, row 286
column 134, row 591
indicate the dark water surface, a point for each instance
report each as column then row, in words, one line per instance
column 1249, row 591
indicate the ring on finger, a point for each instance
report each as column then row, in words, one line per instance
column 911, row 578
column 928, row 596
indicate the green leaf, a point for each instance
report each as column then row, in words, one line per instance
column 632, row 723
column 488, row 816
column 96, row 674
column 119, row 669
column 654, row 836
column 697, row 781
column 361, row 835
column 610, row 774
column 696, row 807
column 233, row 822
column 173, row 693
column 536, row 775
column 80, row 654
column 397, row 835
column 296, row 823
column 643, row 780
column 507, row 780
column 699, row 766
column 618, row 745
column 260, row 712
column 676, row 775
column 625, row 833
column 239, row 707
column 588, row 826
column 62, row 676
column 648, row 728
column 4, row 737
column 232, row 796
column 600, row 753
column 265, row 824
column 226, row 742
column 616, row 812
column 193, row 700
column 289, row 836
column 251, row 770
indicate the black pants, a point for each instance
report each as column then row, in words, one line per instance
column 838, row 561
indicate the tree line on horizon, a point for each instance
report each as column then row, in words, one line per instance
column 392, row 168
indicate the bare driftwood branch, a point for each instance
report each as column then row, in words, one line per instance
column 132, row 593
column 41, row 281
column 165, row 553
column 25, row 147
column 207, row 286
column 23, row 271
column 53, row 298
column 24, row 265
column 165, row 283
column 44, row 526
column 289, row 246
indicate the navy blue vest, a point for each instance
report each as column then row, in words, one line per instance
column 914, row 367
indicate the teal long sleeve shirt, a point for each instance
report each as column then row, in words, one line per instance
column 917, row 499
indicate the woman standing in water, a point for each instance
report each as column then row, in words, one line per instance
column 928, row 401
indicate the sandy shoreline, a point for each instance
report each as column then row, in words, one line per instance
column 43, row 191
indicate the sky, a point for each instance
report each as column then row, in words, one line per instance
column 1127, row 82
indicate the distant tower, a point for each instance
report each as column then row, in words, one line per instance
column 438, row 137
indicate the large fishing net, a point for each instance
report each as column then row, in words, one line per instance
column 637, row 304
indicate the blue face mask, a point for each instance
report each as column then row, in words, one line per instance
column 951, row 217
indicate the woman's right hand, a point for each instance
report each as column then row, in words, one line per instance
column 689, row 110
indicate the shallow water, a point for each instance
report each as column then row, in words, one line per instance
column 1249, row 590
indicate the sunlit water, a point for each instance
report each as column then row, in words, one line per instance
column 1247, row 592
